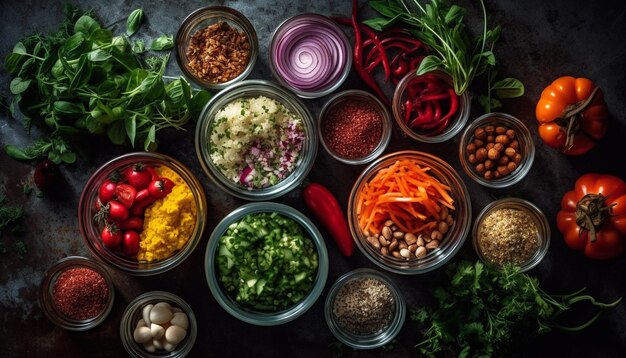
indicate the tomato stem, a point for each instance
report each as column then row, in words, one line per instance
column 572, row 116
column 591, row 211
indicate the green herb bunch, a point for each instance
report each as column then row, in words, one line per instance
column 441, row 28
column 83, row 80
column 485, row 310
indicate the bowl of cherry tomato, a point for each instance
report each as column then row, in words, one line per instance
column 142, row 213
column 427, row 108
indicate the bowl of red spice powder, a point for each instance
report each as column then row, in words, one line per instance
column 354, row 127
column 77, row 293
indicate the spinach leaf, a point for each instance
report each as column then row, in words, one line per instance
column 19, row 85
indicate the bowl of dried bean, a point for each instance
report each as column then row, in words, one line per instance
column 77, row 293
column 511, row 231
column 497, row 150
column 354, row 127
column 409, row 212
column 427, row 108
column 364, row 309
column 216, row 46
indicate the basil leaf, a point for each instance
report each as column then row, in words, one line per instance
column 117, row 132
column 150, row 141
column 68, row 157
column 74, row 46
column 198, row 101
column 18, row 85
column 130, row 124
column 101, row 37
column 18, row 153
column 134, row 21
column 164, row 42
column 68, row 107
column 98, row 55
column 13, row 62
column 19, row 49
column 429, row 63
column 82, row 74
column 138, row 46
column 86, row 24
column 509, row 88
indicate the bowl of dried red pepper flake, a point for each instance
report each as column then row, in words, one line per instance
column 216, row 46
column 354, row 127
column 77, row 293
column 427, row 108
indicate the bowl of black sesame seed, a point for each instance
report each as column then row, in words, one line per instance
column 364, row 309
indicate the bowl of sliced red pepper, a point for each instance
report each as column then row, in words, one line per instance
column 427, row 108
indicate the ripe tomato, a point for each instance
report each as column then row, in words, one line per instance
column 116, row 211
column 138, row 176
column 111, row 236
column 572, row 115
column 160, row 187
column 132, row 223
column 125, row 194
column 106, row 192
column 131, row 243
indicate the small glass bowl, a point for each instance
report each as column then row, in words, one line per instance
column 526, row 149
column 46, row 300
column 133, row 313
column 248, row 89
column 540, row 220
column 356, row 96
column 456, row 123
column 248, row 315
column 91, row 231
column 286, row 27
column 373, row 340
column 202, row 18
column 453, row 239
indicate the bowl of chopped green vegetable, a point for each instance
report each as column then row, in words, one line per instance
column 266, row 263
column 256, row 140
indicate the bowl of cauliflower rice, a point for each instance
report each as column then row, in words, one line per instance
column 256, row 140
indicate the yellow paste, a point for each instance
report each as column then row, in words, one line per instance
column 169, row 222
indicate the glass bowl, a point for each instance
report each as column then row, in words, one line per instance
column 258, row 317
column 362, row 131
column 245, row 90
column 294, row 36
column 450, row 242
column 46, row 293
column 133, row 313
column 377, row 338
column 525, row 147
column 201, row 19
column 538, row 218
column 91, row 231
column 457, row 122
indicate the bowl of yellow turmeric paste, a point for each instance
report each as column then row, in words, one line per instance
column 143, row 213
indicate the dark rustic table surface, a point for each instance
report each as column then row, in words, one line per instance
column 541, row 40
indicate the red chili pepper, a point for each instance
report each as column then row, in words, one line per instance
column 408, row 109
column 381, row 50
column 327, row 210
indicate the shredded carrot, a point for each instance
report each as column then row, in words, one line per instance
column 405, row 193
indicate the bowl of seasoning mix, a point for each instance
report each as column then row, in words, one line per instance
column 256, row 140
column 511, row 231
column 143, row 213
column 364, row 309
column 409, row 212
column 77, row 293
column 266, row 263
column 216, row 46
column 354, row 127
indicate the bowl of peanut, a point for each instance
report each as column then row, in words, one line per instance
column 496, row 150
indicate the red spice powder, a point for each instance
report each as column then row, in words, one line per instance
column 80, row 293
column 353, row 129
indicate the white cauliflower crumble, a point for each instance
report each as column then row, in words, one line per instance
column 256, row 142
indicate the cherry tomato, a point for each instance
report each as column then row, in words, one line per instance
column 142, row 200
column 131, row 243
column 111, row 236
column 107, row 191
column 125, row 194
column 138, row 176
column 116, row 211
column 46, row 175
column 132, row 223
column 153, row 173
column 160, row 187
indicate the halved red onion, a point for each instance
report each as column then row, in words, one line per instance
column 310, row 52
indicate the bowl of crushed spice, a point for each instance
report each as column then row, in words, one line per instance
column 256, row 140
column 354, row 127
column 142, row 213
column 77, row 293
column 364, row 309
column 511, row 231
column 216, row 46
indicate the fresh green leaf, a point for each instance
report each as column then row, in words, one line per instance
column 381, row 23
column 428, row 64
column 454, row 14
column 83, row 72
column 508, row 88
column 134, row 21
column 150, row 138
column 139, row 46
column 198, row 101
column 19, row 49
column 101, row 37
column 130, row 124
column 117, row 132
column 74, row 46
column 69, row 107
column 385, row 8
column 13, row 62
column 19, row 85
column 98, row 55
column 87, row 25
column 18, row 153
column 163, row 42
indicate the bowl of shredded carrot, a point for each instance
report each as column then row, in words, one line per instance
column 409, row 212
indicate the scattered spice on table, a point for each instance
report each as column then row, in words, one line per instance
column 364, row 306
column 508, row 236
column 219, row 52
column 353, row 129
column 80, row 293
